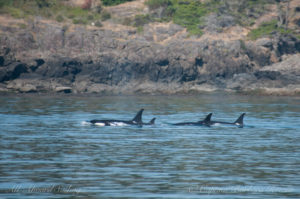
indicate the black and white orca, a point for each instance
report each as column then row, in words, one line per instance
column 239, row 122
column 151, row 122
column 137, row 120
column 205, row 122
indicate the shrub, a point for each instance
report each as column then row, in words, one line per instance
column 77, row 12
column 154, row 4
column 105, row 15
column 6, row 3
column 140, row 29
column 141, row 20
column 113, row 2
column 264, row 29
column 71, row 16
column 189, row 15
column 59, row 18
column 42, row 3
column 243, row 45
column 127, row 21
column 98, row 24
column 14, row 12
column 267, row 29
column 54, row 9
column 90, row 17
column 80, row 21
column 22, row 25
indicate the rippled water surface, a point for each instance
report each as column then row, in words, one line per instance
column 48, row 151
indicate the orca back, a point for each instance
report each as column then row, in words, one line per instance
column 138, row 117
column 152, row 121
column 207, row 119
column 240, row 120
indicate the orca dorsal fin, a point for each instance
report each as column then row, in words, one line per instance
column 152, row 121
column 138, row 117
column 207, row 119
column 240, row 121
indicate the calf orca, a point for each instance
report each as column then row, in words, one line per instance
column 239, row 122
column 151, row 122
column 205, row 122
column 137, row 120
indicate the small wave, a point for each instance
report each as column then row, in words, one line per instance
column 85, row 123
column 236, row 189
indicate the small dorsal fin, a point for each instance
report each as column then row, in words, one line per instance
column 240, row 121
column 138, row 117
column 152, row 121
column 207, row 119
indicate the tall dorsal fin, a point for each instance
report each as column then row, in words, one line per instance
column 240, row 121
column 138, row 117
column 152, row 121
column 207, row 119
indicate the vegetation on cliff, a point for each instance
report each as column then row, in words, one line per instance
column 113, row 2
column 54, row 9
column 267, row 29
column 195, row 15
column 43, row 56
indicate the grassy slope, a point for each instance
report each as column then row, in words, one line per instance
column 187, row 13
column 191, row 14
column 53, row 9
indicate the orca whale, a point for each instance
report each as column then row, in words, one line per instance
column 151, row 122
column 205, row 122
column 239, row 122
column 137, row 120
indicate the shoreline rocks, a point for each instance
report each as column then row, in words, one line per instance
column 40, row 59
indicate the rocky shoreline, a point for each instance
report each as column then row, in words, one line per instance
column 48, row 57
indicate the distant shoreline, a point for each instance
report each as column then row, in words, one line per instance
column 46, row 56
column 258, row 92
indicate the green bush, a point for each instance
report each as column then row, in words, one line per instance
column 80, row 16
column 90, row 17
column 80, row 21
column 22, row 25
column 71, row 16
column 267, row 29
column 59, row 18
column 127, row 21
column 154, row 4
column 189, row 15
column 105, row 15
column 141, row 20
column 98, row 24
column 264, row 29
column 43, row 3
column 6, row 3
column 77, row 12
column 14, row 12
column 140, row 29
column 113, row 2
column 54, row 9
column 243, row 44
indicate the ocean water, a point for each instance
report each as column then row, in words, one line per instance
column 47, row 150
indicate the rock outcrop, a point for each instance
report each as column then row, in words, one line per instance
column 51, row 57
